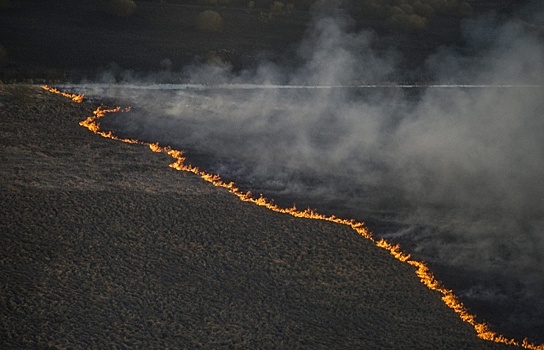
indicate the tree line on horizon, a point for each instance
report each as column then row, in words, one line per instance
column 400, row 15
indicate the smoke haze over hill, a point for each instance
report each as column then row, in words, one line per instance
column 452, row 172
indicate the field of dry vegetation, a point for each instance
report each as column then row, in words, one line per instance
column 103, row 245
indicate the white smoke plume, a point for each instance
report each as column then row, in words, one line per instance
column 454, row 170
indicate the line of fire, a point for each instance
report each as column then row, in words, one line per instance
column 425, row 275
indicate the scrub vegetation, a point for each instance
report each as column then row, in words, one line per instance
column 209, row 21
column 401, row 15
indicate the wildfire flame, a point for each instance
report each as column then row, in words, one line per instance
column 425, row 275
column 74, row 97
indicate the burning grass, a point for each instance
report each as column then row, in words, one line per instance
column 426, row 277
column 102, row 245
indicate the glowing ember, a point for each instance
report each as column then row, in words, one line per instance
column 422, row 271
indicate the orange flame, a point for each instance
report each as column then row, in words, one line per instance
column 422, row 270
column 74, row 97
column 92, row 124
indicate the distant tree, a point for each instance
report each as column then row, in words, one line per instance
column 277, row 7
column 209, row 21
column 408, row 15
column 251, row 6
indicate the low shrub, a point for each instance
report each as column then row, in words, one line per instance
column 209, row 21
column 214, row 59
column 251, row 6
column 277, row 7
column 120, row 8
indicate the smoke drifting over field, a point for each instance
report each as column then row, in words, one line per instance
column 454, row 173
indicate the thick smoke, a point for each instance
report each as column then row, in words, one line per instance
column 455, row 173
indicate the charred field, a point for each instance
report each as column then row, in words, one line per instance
column 103, row 245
